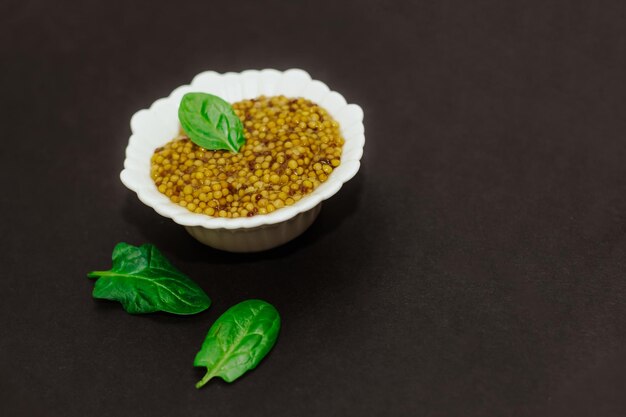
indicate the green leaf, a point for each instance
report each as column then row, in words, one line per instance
column 144, row 282
column 211, row 122
column 238, row 340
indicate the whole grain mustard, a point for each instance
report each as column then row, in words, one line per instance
column 292, row 146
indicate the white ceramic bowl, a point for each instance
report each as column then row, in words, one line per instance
column 159, row 124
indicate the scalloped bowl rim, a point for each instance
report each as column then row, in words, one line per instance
column 234, row 87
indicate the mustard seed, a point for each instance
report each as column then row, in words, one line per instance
column 292, row 146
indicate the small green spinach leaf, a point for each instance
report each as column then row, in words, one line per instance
column 238, row 340
column 144, row 281
column 211, row 122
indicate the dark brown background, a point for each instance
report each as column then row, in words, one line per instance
column 474, row 267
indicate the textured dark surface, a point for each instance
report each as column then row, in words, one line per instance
column 474, row 267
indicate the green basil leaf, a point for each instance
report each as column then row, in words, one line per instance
column 211, row 122
column 144, row 282
column 238, row 340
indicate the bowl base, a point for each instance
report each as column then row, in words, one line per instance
column 256, row 239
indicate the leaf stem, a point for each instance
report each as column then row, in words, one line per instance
column 95, row 274
column 206, row 378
